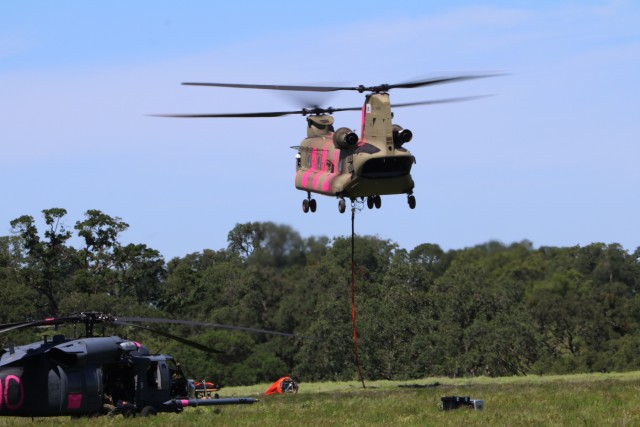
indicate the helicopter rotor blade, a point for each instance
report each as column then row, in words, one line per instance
column 211, row 325
column 230, row 115
column 435, row 81
column 440, row 101
column 361, row 88
column 303, row 112
column 274, row 87
column 95, row 318
column 7, row 327
column 171, row 336
column 314, row 110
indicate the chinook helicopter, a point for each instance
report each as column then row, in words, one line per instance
column 99, row 375
column 341, row 164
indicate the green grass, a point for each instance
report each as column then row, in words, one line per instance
column 590, row 400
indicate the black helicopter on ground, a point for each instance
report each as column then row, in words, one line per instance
column 98, row 375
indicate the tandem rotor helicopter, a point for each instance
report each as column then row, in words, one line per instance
column 339, row 163
column 99, row 375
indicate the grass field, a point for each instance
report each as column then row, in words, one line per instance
column 591, row 400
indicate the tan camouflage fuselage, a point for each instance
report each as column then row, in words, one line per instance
column 374, row 166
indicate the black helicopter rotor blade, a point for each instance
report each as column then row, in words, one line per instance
column 171, row 336
column 211, row 325
column 230, row 115
column 7, row 327
column 274, row 87
column 440, row 101
column 303, row 112
column 432, row 81
column 361, row 88
column 314, row 110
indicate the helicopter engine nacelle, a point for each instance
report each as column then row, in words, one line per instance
column 401, row 135
column 345, row 139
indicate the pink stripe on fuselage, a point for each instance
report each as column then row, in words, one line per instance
column 364, row 108
column 336, row 168
column 323, row 167
column 308, row 172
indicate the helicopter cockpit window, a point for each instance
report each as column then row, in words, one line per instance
column 152, row 372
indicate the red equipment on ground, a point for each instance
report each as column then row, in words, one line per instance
column 283, row 385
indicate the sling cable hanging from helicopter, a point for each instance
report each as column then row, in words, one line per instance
column 353, row 294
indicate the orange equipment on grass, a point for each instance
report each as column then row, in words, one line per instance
column 283, row 385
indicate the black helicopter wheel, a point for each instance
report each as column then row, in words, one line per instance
column 342, row 205
column 377, row 201
column 312, row 205
column 370, row 202
column 305, row 206
column 412, row 201
column 148, row 411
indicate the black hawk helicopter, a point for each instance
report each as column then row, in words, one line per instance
column 99, row 375
column 339, row 163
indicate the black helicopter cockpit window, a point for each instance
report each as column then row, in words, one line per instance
column 158, row 375
column 152, row 375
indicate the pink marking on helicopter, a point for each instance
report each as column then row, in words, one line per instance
column 362, row 140
column 184, row 402
column 336, row 159
column 308, row 172
column 4, row 394
column 323, row 167
column 74, row 401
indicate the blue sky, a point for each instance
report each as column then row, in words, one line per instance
column 552, row 157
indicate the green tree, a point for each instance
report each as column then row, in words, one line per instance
column 100, row 234
column 48, row 262
column 140, row 271
column 17, row 298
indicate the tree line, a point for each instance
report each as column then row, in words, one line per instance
column 492, row 309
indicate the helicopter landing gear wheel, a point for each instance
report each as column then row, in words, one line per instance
column 377, row 201
column 370, row 202
column 411, row 199
column 342, row 205
column 309, row 204
column 148, row 411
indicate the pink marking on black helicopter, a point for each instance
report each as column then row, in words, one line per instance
column 74, row 400
column 4, row 393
